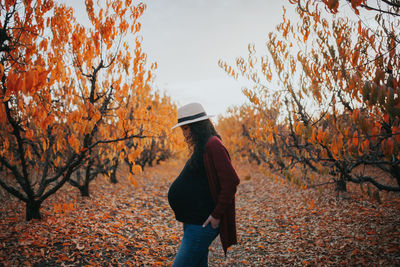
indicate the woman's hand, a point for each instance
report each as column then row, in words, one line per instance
column 214, row 222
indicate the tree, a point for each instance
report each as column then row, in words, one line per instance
column 107, row 79
column 339, row 108
column 388, row 7
column 33, row 81
column 68, row 93
column 241, row 130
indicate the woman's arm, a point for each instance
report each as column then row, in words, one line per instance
column 226, row 175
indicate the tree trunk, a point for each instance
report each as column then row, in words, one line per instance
column 33, row 210
column 85, row 187
column 395, row 171
column 341, row 185
column 113, row 176
column 84, row 190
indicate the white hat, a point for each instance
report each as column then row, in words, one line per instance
column 191, row 113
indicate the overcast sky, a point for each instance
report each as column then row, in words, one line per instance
column 187, row 38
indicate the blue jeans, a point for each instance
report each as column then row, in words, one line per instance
column 194, row 245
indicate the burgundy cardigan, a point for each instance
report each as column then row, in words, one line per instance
column 223, row 181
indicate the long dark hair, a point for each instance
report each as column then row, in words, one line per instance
column 200, row 132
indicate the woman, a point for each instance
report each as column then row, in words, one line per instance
column 203, row 195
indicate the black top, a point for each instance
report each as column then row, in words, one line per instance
column 189, row 195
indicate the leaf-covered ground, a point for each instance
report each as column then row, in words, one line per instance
column 278, row 224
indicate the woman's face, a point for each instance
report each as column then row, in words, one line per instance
column 186, row 132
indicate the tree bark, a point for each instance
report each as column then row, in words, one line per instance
column 84, row 189
column 113, row 176
column 341, row 185
column 33, row 210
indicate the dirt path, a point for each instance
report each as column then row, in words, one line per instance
column 278, row 224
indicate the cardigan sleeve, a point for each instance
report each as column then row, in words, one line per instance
column 226, row 175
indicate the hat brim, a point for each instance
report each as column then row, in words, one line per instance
column 191, row 121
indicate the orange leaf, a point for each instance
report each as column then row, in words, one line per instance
column 133, row 180
column 332, row 5
column 270, row 138
column 355, row 4
column 365, row 144
column 74, row 143
column 386, row 118
column 356, row 114
column 311, row 204
column 355, row 139
column 354, row 58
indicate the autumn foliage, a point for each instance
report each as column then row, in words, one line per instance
column 78, row 110
column 72, row 95
column 326, row 96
